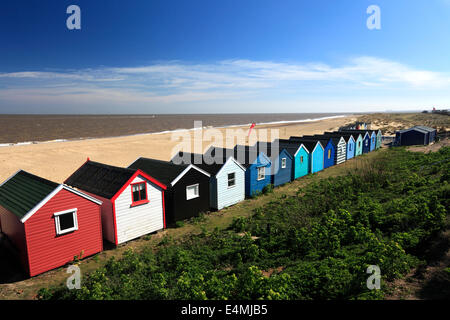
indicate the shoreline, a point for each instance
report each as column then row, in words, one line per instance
column 56, row 161
column 286, row 122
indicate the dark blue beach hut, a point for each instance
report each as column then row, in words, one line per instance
column 366, row 142
column 418, row 135
column 258, row 168
column 282, row 161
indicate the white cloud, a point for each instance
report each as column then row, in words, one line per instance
column 176, row 82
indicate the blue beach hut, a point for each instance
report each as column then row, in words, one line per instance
column 258, row 168
column 282, row 161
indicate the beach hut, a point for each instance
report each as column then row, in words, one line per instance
column 379, row 139
column 188, row 188
column 366, row 142
column 340, row 154
column 368, row 139
column 349, row 140
column 418, row 135
column 432, row 133
column 48, row 223
column 227, row 182
column 133, row 203
column 359, row 141
column 316, row 153
column 301, row 162
column 258, row 168
column 328, row 145
column 373, row 140
column 282, row 161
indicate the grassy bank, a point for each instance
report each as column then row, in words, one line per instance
column 312, row 239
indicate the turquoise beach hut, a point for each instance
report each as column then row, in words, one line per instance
column 316, row 154
column 358, row 144
column 379, row 139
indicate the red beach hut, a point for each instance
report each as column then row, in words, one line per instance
column 48, row 223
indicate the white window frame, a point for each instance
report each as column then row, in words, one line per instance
column 283, row 163
column 188, row 197
column 259, row 177
column 74, row 212
column 234, row 179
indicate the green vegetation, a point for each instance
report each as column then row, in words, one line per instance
column 316, row 244
column 268, row 189
column 179, row 224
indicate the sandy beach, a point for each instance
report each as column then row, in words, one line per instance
column 57, row 160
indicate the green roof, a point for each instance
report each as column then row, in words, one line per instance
column 23, row 191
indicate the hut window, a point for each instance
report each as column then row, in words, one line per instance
column 329, row 154
column 283, row 163
column 349, row 147
column 231, row 179
column 139, row 192
column 301, row 159
column 261, row 173
column 66, row 221
column 192, row 191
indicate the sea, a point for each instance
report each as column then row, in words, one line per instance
column 29, row 129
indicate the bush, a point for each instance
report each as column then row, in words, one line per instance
column 314, row 245
column 268, row 189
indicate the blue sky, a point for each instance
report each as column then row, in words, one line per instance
column 208, row 56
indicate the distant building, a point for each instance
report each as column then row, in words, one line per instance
column 356, row 126
column 444, row 111
column 418, row 135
